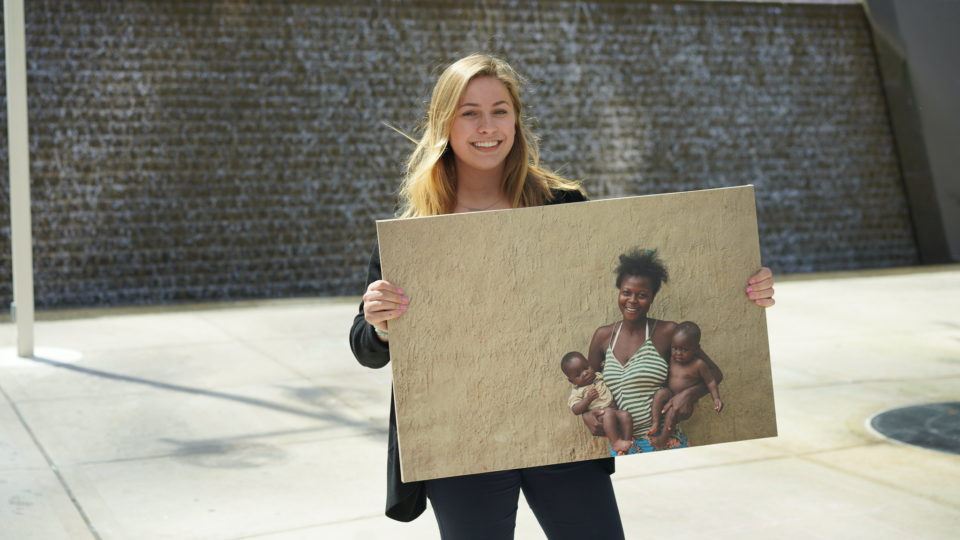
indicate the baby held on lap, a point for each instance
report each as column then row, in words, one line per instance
column 590, row 395
column 687, row 369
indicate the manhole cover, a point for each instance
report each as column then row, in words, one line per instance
column 935, row 426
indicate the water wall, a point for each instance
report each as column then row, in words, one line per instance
column 186, row 150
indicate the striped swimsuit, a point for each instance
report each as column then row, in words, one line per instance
column 634, row 384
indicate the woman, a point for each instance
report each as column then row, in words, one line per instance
column 633, row 353
column 477, row 153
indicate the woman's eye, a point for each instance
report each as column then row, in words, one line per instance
column 469, row 113
column 500, row 112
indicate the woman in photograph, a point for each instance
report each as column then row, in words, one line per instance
column 476, row 152
column 633, row 353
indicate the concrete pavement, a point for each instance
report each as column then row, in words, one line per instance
column 252, row 420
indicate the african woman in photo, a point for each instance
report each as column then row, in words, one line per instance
column 633, row 353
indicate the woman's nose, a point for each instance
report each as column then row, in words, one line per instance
column 484, row 126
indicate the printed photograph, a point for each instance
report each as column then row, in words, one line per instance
column 557, row 334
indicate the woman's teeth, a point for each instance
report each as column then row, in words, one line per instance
column 488, row 144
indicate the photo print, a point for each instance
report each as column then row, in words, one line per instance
column 563, row 333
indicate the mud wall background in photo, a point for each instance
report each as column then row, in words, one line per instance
column 498, row 297
column 204, row 150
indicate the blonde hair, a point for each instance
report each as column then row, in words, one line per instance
column 429, row 186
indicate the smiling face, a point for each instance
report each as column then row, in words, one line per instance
column 636, row 297
column 579, row 372
column 684, row 348
column 484, row 125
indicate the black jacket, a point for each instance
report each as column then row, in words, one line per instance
column 406, row 501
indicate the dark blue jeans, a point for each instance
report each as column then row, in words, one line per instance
column 571, row 501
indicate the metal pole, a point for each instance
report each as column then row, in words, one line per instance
column 21, row 237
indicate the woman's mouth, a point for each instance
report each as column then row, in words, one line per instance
column 486, row 146
column 632, row 310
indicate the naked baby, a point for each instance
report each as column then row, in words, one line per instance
column 687, row 368
column 590, row 395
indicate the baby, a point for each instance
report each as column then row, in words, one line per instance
column 590, row 394
column 687, row 368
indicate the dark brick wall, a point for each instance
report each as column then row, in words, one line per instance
column 220, row 150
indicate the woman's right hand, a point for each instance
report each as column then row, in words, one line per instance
column 382, row 302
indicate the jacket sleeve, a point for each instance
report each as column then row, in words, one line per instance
column 366, row 346
column 563, row 196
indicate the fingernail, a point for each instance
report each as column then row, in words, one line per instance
column 749, row 289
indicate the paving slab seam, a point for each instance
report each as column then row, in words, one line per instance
column 865, row 444
column 754, row 460
column 212, row 391
column 380, row 434
column 620, row 476
column 307, row 527
column 90, row 352
column 25, row 469
column 226, row 329
column 193, row 390
column 381, row 437
column 874, row 480
column 256, row 347
column 53, row 466
column 863, row 381
column 130, row 378
column 255, row 436
column 253, row 346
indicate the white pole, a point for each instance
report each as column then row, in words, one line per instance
column 19, row 157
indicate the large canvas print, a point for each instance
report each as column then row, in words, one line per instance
column 562, row 333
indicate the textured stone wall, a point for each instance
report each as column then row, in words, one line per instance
column 214, row 150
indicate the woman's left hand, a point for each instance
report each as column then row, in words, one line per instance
column 682, row 405
column 760, row 288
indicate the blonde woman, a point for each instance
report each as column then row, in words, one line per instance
column 477, row 153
